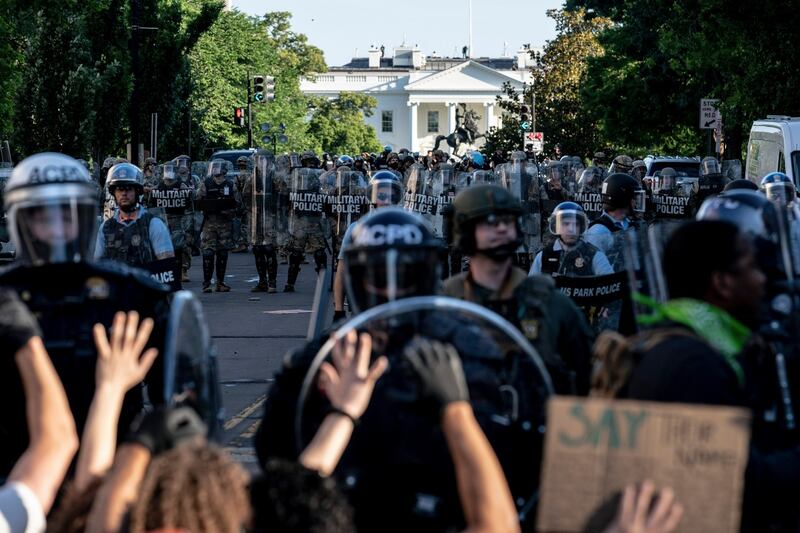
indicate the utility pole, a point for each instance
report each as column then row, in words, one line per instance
column 249, row 113
column 134, row 109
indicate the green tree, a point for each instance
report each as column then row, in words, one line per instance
column 337, row 125
column 238, row 46
column 562, row 113
column 663, row 56
column 507, row 137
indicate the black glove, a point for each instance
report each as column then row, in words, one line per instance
column 17, row 324
column 338, row 315
column 165, row 427
column 439, row 368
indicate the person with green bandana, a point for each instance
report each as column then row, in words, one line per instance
column 716, row 288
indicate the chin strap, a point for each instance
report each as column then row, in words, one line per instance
column 502, row 252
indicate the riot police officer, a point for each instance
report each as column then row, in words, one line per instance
column 778, row 188
column 569, row 254
column 486, row 228
column 133, row 235
column 217, row 199
column 305, row 207
column 398, row 456
column 176, row 197
column 53, row 222
column 712, row 181
column 623, row 197
column 263, row 202
column 384, row 189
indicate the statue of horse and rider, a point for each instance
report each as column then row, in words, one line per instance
column 466, row 132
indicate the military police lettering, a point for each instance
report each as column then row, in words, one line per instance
column 306, row 203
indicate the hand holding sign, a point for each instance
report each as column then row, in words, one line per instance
column 647, row 511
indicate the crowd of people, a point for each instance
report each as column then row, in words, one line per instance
column 412, row 411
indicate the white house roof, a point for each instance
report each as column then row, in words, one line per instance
column 468, row 76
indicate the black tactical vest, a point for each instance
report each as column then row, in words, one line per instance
column 174, row 199
column 576, row 262
column 607, row 222
column 129, row 244
column 217, row 191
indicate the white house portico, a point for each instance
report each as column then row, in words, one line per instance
column 420, row 99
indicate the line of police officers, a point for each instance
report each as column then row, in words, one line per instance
column 393, row 254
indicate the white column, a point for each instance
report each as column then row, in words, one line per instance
column 489, row 112
column 413, row 141
column 451, row 117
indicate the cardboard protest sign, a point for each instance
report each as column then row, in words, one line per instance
column 594, row 448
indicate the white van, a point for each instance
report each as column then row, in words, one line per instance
column 774, row 146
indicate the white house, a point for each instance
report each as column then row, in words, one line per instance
column 418, row 96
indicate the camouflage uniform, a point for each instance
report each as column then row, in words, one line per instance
column 306, row 202
column 216, row 238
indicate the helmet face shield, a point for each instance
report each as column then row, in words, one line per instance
column 709, row 166
column 57, row 231
column 383, row 192
column 169, row 173
column 568, row 223
column 217, row 168
column 780, row 193
column 374, row 277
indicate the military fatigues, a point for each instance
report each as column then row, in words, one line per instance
column 547, row 318
column 242, row 234
column 218, row 205
column 305, row 229
column 261, row 232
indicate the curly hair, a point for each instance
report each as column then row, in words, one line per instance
column 196, row 487
column 289, row 498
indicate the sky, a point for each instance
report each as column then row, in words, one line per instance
column 339, row 27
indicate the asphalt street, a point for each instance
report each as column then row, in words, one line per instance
column 252, row 333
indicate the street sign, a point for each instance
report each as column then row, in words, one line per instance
column 538, row 147
column 534, row 136
column 710, row 116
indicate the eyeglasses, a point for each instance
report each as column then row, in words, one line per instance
column 495, row 220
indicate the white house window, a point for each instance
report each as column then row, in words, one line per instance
column 355, row 79
column 433, row 122
column 384, row 79
column 387, row 121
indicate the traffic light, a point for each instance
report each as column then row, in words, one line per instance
column 258, row 89
column 524, row 117
column 269, row 82
column 238, row 116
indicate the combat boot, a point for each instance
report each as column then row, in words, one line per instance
column 208, row 269
column 272, row 286
column 261, row 268
column 288, row 288
column 260, row 287
column 222, row 266
column 184, row 275
column 272, row 272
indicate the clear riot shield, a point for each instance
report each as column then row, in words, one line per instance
column 190, row 363
column 396, row 440
column 603, row 293
column 465, row 180
column 306, row 203
column 167, row 271
column 423, row 195
column 732, row 169
column 261, row 197
column 171, row 194
column 524, row 186
column 588, row 194
column 5, row 173
column 346, row 199
column 448, row 177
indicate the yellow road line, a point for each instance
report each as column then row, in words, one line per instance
column 242, row 415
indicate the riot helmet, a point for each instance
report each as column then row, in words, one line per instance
column 476, row 159
column 217, row 169
column 621, row 163
column 385, row 188
column 639, row 169
column 149, row 164
column 183, row 161
column 665, row 181
column 778, row 188
column 125, row 174
column 569, row 222
column 754, row 215
column 740, row 184
column 344, row 161
column 169, row 173
column 620, row 191
column 308, row 159
column 393, row 161
column 52, row 210
column 709, row 166
column 392, row 254
column 242, row 161
column 590, row 180
column 484, row 203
